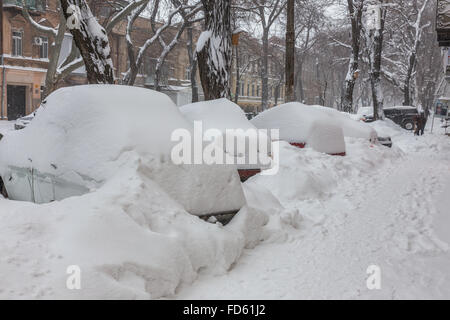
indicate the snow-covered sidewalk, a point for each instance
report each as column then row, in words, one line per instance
column 395, row 215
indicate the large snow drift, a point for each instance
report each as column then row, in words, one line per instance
column 131, row 235
column 86, row 133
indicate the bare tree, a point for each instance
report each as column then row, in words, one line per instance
column 355, row 9
column 290, row 51
column 214, row 50
column 57, row 70
column 374, row 45
column 91, row 39
column 185, row 12
column 188, row 13
column 192, row 64
column 266, row 12
column 405, row 32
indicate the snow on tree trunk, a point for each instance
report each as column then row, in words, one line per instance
column 91, row 39
column 375, row 38
column 214, row 50
column 355, row 11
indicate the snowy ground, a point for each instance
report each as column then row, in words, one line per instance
column 394, row 213
column 6, row 126
column 328, row 218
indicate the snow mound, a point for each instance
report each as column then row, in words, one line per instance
column 299, row 123
column 88, row 132
column 133, row 235
column 138, row 244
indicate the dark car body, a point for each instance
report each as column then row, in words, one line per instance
column 402, row 115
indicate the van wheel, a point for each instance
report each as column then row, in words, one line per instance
column 3, row 188
column 408, row 125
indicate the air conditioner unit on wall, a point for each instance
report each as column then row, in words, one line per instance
column 37, row 41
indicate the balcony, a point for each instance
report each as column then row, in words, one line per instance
column 32, row 5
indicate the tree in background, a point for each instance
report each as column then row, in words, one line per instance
column 290, row 51
column 214, row 50
column 266, row 12
column 355, row 10
column 91, row 39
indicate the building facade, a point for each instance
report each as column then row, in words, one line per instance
column 25, row 57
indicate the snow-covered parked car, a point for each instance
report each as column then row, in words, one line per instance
column 365, row 114
column 321, row 128
column 24, row 121
column 224, row 115
column 84, row 135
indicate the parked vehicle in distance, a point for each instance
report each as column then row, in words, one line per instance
column 402, row 115
column 365, row 114
column 84, row 135
column 302, row 125
column 24, row 121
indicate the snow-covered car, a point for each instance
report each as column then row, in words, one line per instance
column 223, row 115
column 321, row 128
column 302, row 125
column 24, row 121
column 365, row 114
column 85, row 135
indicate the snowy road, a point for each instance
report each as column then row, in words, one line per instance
column 397, row 218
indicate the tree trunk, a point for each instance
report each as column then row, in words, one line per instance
column 355, row 12
column 91, row 39
column 238, row 77
column 290, row 52
column 375, row 54
column 301, row 91
column 214, row 50
column 264, row 73
column 192, row 65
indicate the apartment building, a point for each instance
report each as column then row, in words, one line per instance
column 24, row 56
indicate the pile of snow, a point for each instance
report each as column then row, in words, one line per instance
column 131, row 235
column 298, row 123
column 224, row 115
column 87, row 133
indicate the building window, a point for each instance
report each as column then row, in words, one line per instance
column 253, row 90
column 17, row 43
column 257, row 91
column 43, row 48
column 248, row 89
column 187, row 73
column 242, row 89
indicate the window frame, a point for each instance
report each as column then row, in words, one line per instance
column 14, row 39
